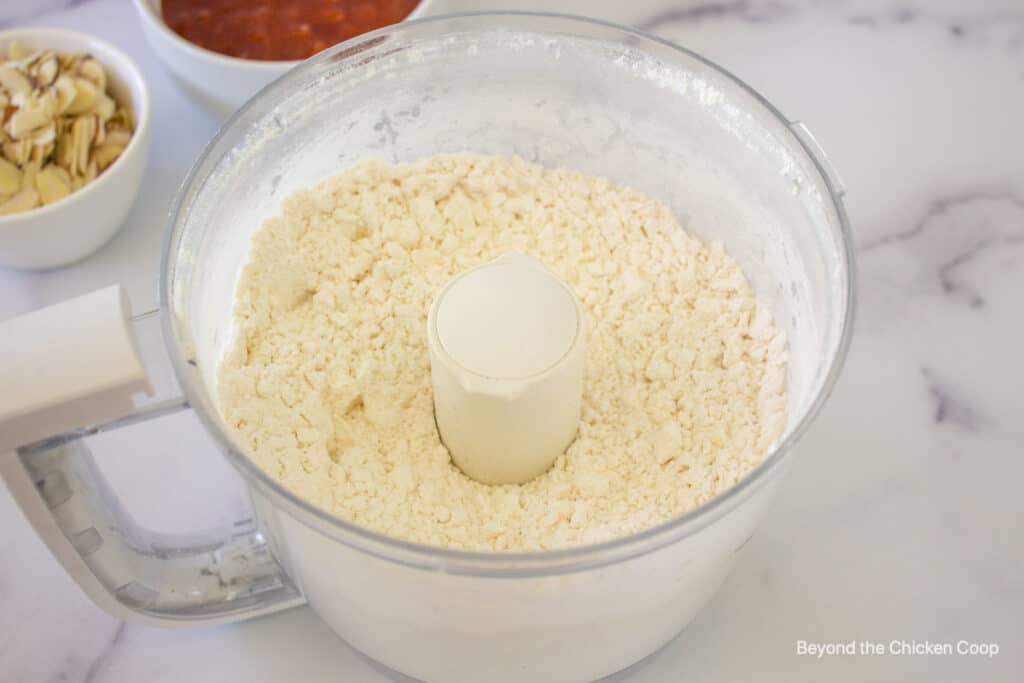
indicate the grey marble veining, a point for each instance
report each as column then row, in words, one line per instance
column 902, row 517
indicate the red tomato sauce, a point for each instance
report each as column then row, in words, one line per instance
column 278, row 29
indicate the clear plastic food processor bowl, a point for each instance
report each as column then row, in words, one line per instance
column 561, row 91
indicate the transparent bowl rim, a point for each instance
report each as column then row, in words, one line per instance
column 497, row 564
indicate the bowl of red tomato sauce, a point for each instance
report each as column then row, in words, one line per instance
column 222, row 52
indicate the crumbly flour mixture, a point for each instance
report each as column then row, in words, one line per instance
column 328, row 383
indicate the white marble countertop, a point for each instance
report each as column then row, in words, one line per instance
column 902, row 519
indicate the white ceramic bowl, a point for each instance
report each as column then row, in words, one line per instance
column 219, row 83
column 79, row 224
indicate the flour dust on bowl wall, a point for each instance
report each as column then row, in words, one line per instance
column 685, row 252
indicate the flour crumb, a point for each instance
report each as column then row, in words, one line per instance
column 327, row 386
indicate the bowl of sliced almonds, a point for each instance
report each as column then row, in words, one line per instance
column 73, row 142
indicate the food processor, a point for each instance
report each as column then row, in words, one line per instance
column 561, row 91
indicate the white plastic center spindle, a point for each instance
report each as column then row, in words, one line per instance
column 506, row 350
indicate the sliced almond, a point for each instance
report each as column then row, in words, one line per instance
column 25, row 121
column 101, row 132
column 118, row 136
column 17, row 152
column 63, row 154
column 28, row 174
column 91, row 70
column 47, row 100
column 69, row 61
column 29, row 58
column 30, row 113
column 105, row 107
column 47, row 135
column 91, row 171
column 64, row 175
column 82, row 133
column 23, row 201
column 41, row 153
column 107, row 154
column 51, row 185
column 10, row 178
column 122, row 118
column 85, row 97
column 13, row 81
column 64, row 92
column 46, row 71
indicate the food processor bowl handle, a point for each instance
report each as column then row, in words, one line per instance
column 74, row 369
